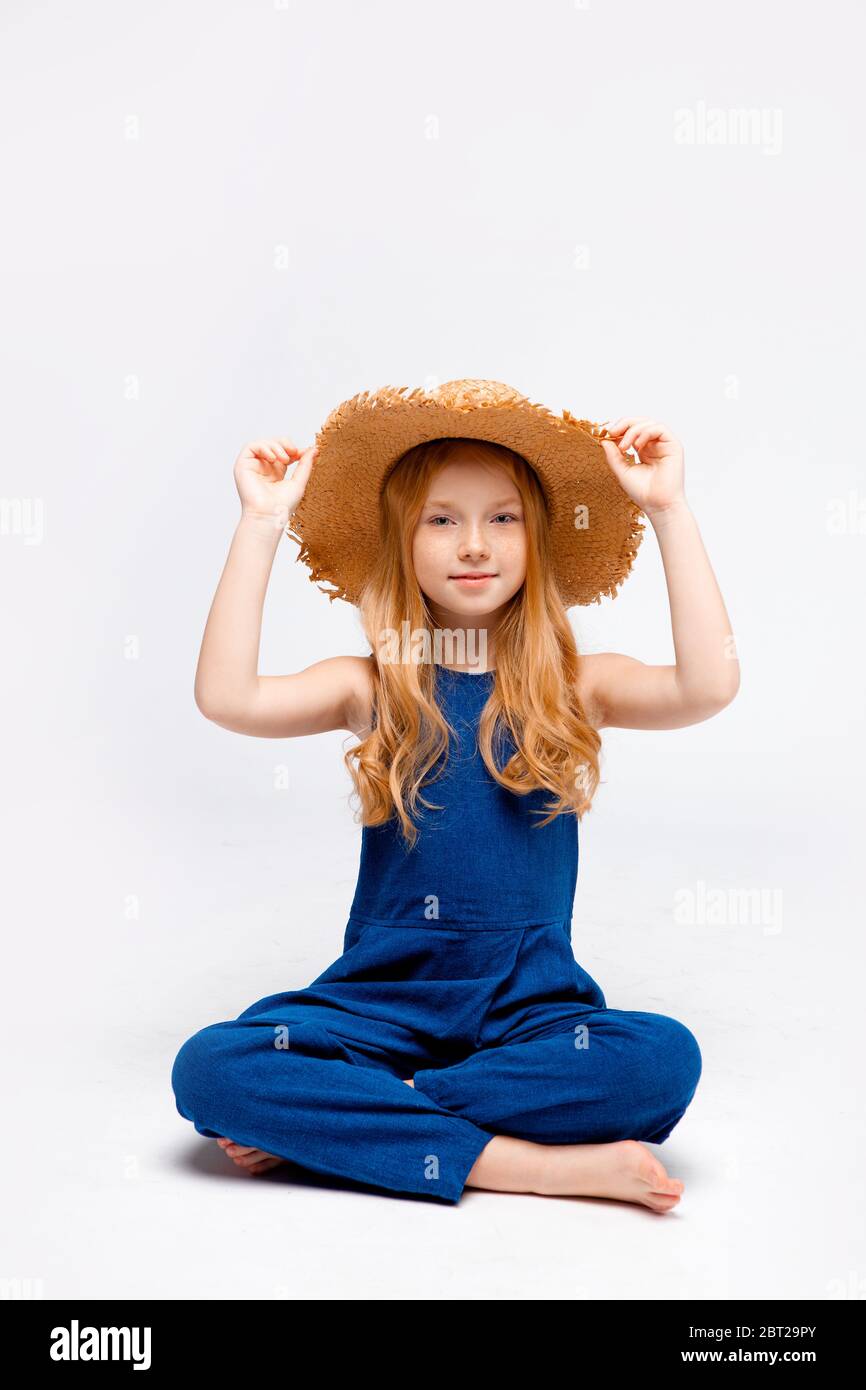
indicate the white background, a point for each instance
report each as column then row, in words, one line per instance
column 220, row 221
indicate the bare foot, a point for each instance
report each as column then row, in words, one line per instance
column 253, row 1160
column 625, row 1171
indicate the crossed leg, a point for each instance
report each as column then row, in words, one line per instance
column 567, row 1107
column 573, row 1104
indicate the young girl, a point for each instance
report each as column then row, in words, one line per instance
column 457, row 1042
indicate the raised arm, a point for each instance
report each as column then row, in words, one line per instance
column 627, row 693
column 228, row 689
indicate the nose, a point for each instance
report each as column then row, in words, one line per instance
column 473, row 542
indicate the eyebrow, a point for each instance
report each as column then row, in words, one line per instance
column 510, row 501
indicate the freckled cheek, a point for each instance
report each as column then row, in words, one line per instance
column 431, row 549
column 511, row 554
column 429, row 556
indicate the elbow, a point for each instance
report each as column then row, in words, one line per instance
column 206, row 706
column 227, row 706
column 733, row 683
column 710, row 699
column 727, row 692
column 200, row 696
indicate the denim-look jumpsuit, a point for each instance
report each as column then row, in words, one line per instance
column 457, row 970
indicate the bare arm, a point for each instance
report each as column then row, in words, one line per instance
column 627, row 693
column 228, row 689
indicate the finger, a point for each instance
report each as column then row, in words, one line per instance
column 651, row 429
column 660, row 431
column 286, row 448
column 238, row 1150
column 614, row 456
column 645, row 437
column 272, row 464
column 632, row 433
column 270, row 449
column 622, row 423
column 305, row 464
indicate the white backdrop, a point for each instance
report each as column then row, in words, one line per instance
column 220, row 221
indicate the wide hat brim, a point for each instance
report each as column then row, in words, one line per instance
column 595, row 526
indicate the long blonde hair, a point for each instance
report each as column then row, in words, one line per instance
column 534, row 693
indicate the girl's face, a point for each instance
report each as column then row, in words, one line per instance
column 472, row 522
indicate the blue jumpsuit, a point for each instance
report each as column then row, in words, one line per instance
column 457, row 970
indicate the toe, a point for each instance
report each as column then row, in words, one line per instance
column 669, row 1187
column 660, row 1201
column 264, row 1165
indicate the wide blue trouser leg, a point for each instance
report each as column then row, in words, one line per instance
column 599, row 1076
column 324, row 1105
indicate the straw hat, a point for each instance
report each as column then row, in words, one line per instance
column 595, row 526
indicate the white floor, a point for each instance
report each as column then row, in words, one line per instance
column 110, row 1193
